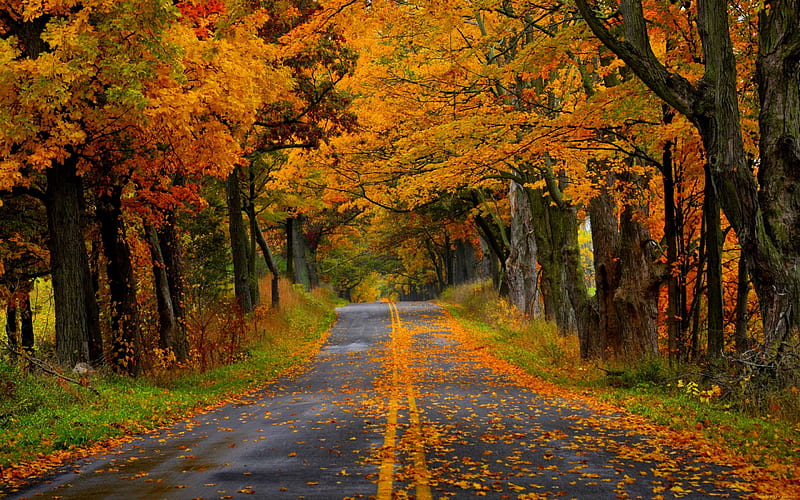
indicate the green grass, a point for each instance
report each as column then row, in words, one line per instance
column 40, row 415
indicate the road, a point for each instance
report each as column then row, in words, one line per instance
column 394, row 407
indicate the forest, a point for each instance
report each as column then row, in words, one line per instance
column 628, row 171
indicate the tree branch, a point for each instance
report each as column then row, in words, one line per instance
column 674, row 89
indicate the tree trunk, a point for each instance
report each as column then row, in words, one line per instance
column 290, row 250
column 553, row 226
column 605, row 241
column 627, row 284
column 775, row 268
column 636, row 301
column 584, row 307
column 465, row 262
column 255, row 292
column 521, row 271
column 765, row 214
column 172, row 254
column 26, row 324
column 741, row 337
column 239, row 240
column 76, row 323
column 12, row 330
column 297, row 249
column 673, row 237
column 170, row 337
column 685, row 352
column 716, row 317
column 126, row 329
column 268, row 259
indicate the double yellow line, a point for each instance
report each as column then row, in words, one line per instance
column 421, row 473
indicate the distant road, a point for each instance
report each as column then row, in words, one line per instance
column 393, row 407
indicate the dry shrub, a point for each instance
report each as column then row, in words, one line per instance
column 220, row 334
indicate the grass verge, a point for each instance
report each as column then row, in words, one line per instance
column 676, row 397
column 45, row 421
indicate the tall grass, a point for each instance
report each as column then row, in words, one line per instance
column 534, row 344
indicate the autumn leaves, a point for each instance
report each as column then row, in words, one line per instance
column 460, row 422
column 120, row 122
column 401, row 386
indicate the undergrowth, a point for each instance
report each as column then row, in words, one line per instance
column 41, row 415
column 680, row 397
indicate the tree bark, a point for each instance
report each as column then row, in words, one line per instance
column 716, row 317
column 465, row 262
column 126, row 350
column 627, row 284
column 255, row 292
column 269, row 260
column 521, row 271
column 290, row 250
column 12, row 330
column 239, row 241
column 605, row 241
column 676, row 287
column 27, row 340
column 775, row 267
column 765, row 214
column 741, row 337
column 172, row 253
column 170, row 333
column 636, row 301
column 299, row 251
column 76, row 323
column 554, row 226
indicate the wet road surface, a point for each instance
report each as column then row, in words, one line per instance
column 394, row 407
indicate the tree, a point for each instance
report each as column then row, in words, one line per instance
column 761, row 210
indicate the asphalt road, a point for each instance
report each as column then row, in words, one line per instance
column 394, row 407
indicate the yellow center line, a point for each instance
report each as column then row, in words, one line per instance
column 386, row 473
column 421, row 473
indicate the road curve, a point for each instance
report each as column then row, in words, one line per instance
column 394, row 407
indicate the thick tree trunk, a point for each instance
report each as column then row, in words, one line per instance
column 627, row 284
column 465, row 265
column 298, row 251
column 605, row 241
column 521, row 271
column 775, row 269
column 76, row 323
column 487, row 267
column 239, row 242
column 627, row 289
column 126, row 329
column 553, row 228
column 636, row 301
